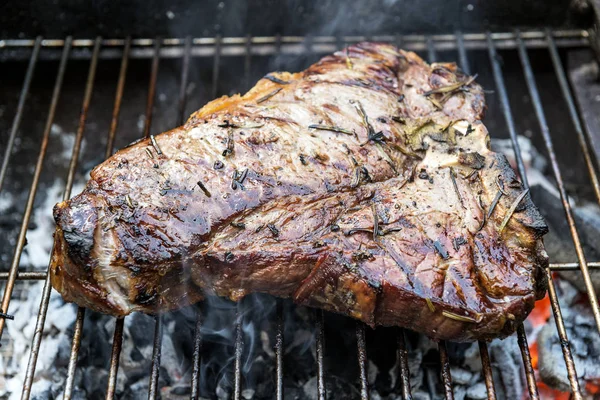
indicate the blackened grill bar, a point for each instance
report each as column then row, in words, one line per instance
column 248, row 46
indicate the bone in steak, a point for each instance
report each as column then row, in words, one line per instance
column 364, row 185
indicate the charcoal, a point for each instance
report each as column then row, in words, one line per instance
column 477, row 392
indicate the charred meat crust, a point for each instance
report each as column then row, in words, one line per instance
column 364, row 185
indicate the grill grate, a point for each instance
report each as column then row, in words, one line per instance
column 219, row 47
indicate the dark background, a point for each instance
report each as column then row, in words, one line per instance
column 178, row 18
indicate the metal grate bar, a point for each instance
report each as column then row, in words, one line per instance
column 239, row 348
column 483, row 350
column 14, row 267
column 118, row 334
column 156, row 350
column 20, row 106
column 196, row 357
column 279, row 352
column 462, row 53
column 261, row 40
column 153, row 390
column 75, row 345
column 487, row 370
column 529, row 374
column 446, row 376
column 321, row 395
column 545, row 130
column 39, row 327
column 118, row 98
column 500, row 86
column 25, row 276
column 184, row 78
column 70, row 179
column 566, row 91
column 114, row 358
column 431, row 55
column 362, row 360
column 402, row 355
column 510, row 122
column 216, row 62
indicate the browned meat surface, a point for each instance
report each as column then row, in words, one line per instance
column 364, row 185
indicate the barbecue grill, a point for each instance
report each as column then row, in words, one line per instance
column 220, row 56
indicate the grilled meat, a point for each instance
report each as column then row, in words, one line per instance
column 364, row 185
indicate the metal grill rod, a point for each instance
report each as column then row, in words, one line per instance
column 239, row 348
column 573, row 266
column 157, row 346
column 118, row 334
column 279, row 352
column 444, row 360
column 39, row 327
column 362, row 360
column 19, row 115
column 446, row 376
column 153, row 392
column 70, row 179
column 501, row 88
column 321, row 395
column 498, row 37
column 402, row 355
column 545, row 130
column 483, row 350
column 529, row 374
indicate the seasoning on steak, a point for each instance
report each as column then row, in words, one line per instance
column 364, row 185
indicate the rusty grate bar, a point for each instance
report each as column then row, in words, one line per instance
column 446, row 376
column 529, row 373
column 153, row 389
column 157, row 346
column 118, row 334
column 39, row 327
column 444, row 360
column 566, row 91
column 239, row 348
column 114, row 358
column 319, row 332
column 545, row 130
column 279, row 352
column 19, row 114
column 402, row 355
column 14, row 267
column 75, row 345
column 362, row 360
column 483, row 350
column 196, row 358
column 487, row 370
column 33, row 275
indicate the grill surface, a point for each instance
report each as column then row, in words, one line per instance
column 218, row 48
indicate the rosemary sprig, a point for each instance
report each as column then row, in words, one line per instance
column 453, row 177
column 494, row 203
column 238, row 179
column 348, row 60
column 430, row 304
column 230, row 144
column 372, row 136
column 204, row 189
column 512, row 209
column 451, row 88
column 149, row 153
column 239, row 225
column 330, row 128
column 268, row 96
column 457, row 317
column 155, row 145
column 440, row 249
column 276, row 80
column 273, row 229
column 129, row 202
column 375, row 222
